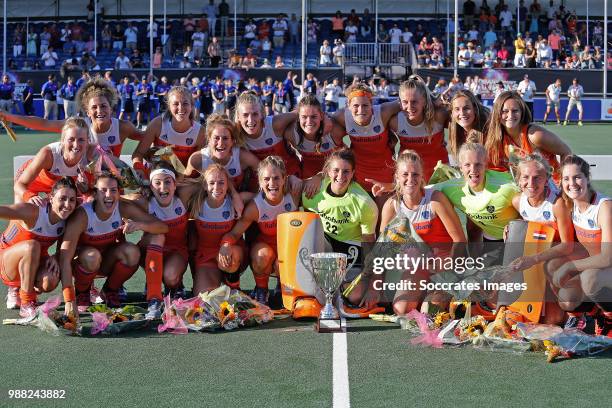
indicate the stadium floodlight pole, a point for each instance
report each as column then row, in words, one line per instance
column 587, row 22
column 151, row 37
column 4, row 40
column 456, row 30
column 95, row 50
column 165, row 24
column 304, row 34
column 375, row 30
column 605, row 70
column 447, row 27
column 518, row 17
column 235, row 27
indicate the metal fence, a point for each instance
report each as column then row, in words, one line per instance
column 379, row 54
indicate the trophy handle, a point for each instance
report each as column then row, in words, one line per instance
column 303, row 254
column 353, row 253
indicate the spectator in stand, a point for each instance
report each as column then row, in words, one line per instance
column 158, row 58
column 266, row 63
column 473, row 35
column 185, row 63
column 49, row 58
column 122, row 61
column 279, row 29
column 338, row 52
column 18, row 40
column 553, row 40
column 338, row 25
column 214, row 52
column 530, row 56
column 383, row 35
column 31, row 48
column 503, row 55
column 545, row 52
column 395, row 34
column 350, row 32
column 598, row 35
column 505, row 17
column 423, row 53
column 490, row 38
column 294, row 30
column 49, row 95
column 131, row 36
column 77, row 36
column 224, row 13
column 189, row 24
column 489, row 58
column 211, row 12
column 66, row 37
column 365, row 28
column 332, row 94
column 117, row 37
column 437, row 48
column 136, row 60
column 45, row 40
column 483, row 20
column 7, row 90
column 203, row 24
column 313, row 31
column 478, row 58
column 90, row 45
column 68, row 93
column 407, row 35
column 574, row 93
column 325, row 53
column 464, row 56
column 586, row 58
column 198, row 40
column 107, row 36
column 250, row 60
column 469, row 11
column 266, row 47
column 278, row 63
column 598, row 58
column 527, row 89
column 264, row 30
column 519, row 51
column 250, row 32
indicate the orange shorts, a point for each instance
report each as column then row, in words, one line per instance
column 208, row 256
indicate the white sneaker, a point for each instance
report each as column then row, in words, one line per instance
column 12, row 298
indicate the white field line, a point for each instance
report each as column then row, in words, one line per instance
column 341, row 390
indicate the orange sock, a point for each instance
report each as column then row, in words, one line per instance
column 27, row 297
column 261, row 281
column 121, row 273
column 82, row 278
column 154, row 268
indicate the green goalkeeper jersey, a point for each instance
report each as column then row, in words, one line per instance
column 345, row 218
column 491, row 210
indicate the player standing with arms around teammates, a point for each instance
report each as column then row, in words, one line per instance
column 553, row 100
column 575, row 93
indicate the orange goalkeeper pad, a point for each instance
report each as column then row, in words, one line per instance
column 536, row 238
column 299, row 234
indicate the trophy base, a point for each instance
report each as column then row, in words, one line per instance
column 330, row 326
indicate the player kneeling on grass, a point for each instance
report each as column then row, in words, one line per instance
column 25, row 264
column 66, row 158
column 95, row 234
column 273, row 199
column 217, row 261
column 539, row 201
column 165, row 256
column 586, row 278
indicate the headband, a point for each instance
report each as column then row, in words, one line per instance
column 162, row 171
column 359, row 92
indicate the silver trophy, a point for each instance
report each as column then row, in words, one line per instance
column 329, row 270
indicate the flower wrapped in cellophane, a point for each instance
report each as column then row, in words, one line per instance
column 443, row 172
column 105, row 161
column 115, row 321
column 221, row 308
column 49, row 319
column 156, row 154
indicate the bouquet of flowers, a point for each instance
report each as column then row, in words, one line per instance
column 443, row 172
column 156, row 154
column 49, row 319
column 105, row 161
column 115, row 321
column 222, row 308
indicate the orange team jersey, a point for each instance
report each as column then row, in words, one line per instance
column 266, row 222
column 232, row 167
column 269, row 144
column 311, row 160
column 184, row 144
column 426, row 222
column 212, row 224
column 47, row 177
column 175, row 216
column 588, row 231
column 370, row 144
column 101, row 234
column 109, row 140
column 525, row 148
column 430, row 147
column 43, row 231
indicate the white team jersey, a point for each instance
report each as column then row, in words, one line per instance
column 232, row 166
column 373, row 129
column 43, row 226
column 109, row 138
column 267, row 139
column 224, row 213
column 170, row 136
column 309, row 146
column 575, row 92
column 416, row 133
column 585, row 223
column 543, row 213
column 269, row 212
column 554, row 92
column 96, row 226
column 59, row 166
column 176, row 209
column 423, row 214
